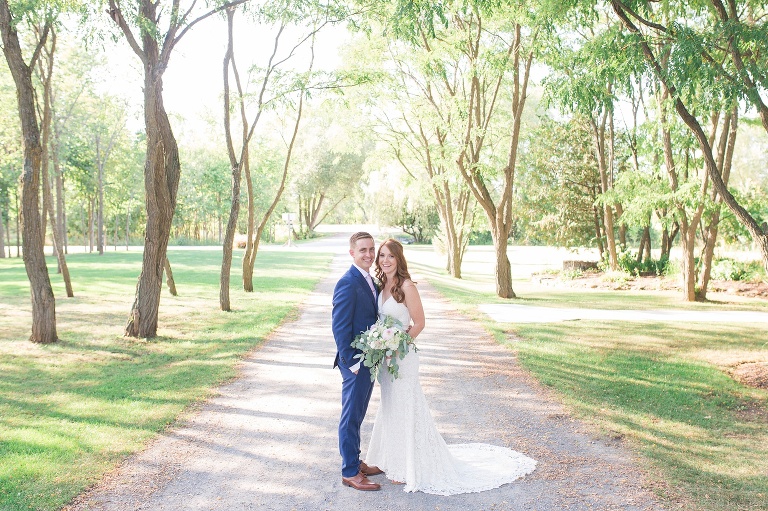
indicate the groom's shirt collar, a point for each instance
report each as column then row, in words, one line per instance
column 361, row 270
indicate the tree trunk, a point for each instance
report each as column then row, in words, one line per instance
column 452, row 220
column 8, row 232
column 45, row 182
column 725, row 160
column 687, row 241
column 600, row 155
column 666, row 245
column 503, row 266
column 59, row 250
column 6, row 224
column 18, row 223
column 644, row 251
column 162, row 170
column 2, row 234
column 84, row 227
column 250, row 227
column 100, row 212
column 598, row 232
column 687, row 223
column 707, row 256
column 252, row 243
column 169, row 277
column 61, row 215
column 622, row 227
column 91, row 222
column 453, row 211
column 46, row 73
column 234, row 212
column 229, row 240
column 43, row 302
column 161, row 180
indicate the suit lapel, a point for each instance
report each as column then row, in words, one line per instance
column 364, row 283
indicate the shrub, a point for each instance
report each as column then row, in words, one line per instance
column 618, row 277
column 729, row 269
column 571, row 274
column 628, row 263
column 480, row 238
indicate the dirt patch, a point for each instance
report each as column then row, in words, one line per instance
column 751, row 289
column 594, row 280
column 752, row 374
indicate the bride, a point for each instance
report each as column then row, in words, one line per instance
column 405, row 443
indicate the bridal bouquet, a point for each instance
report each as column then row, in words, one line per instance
column 383, row 343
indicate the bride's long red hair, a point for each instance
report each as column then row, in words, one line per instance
column 396, row 249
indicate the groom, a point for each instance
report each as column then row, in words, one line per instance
column 354, row 311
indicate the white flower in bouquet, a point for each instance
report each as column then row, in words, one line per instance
column 385, row 342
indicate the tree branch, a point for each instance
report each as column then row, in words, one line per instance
column 208, row 14
column 115, row 12
column 40, row 44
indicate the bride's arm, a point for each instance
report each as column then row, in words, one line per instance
column 415, row 309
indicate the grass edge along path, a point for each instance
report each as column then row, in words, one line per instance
column 71, row 411
column 658, row 387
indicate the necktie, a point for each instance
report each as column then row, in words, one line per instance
column 370, row 284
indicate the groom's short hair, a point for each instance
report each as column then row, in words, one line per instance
column 358, row 236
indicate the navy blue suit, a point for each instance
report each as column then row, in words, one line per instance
column 354, row 311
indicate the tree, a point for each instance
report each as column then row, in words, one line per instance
column 559, row 185
column 419, row 220
column 154, row 46
column 79, row 165
column 413, row 118
column 229, row 237
column 275, row 86
column 491, row 48
column 10, row 155
column 726, row 47
column 203, row 196
column 43, row 301
column 725, row 150
column 592, row 73
column 45, row 72
column 104, row 140
column 425, row 148
column 327, row 179
column 72, row 111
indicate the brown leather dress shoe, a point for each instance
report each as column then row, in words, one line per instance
column 360, row 482
column 370, row 470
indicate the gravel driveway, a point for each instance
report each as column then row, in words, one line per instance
column 268, row 440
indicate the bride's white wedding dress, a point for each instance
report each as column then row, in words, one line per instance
column 406, row 445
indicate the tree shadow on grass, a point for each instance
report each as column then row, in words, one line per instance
column 686, row 415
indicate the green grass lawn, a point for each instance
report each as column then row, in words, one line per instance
column 70, row 411
column 663, row 388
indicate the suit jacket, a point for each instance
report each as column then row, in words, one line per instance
column 354, row 311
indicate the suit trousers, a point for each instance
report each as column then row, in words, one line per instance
column 356, row 390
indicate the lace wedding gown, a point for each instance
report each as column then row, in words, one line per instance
column 406, row 445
